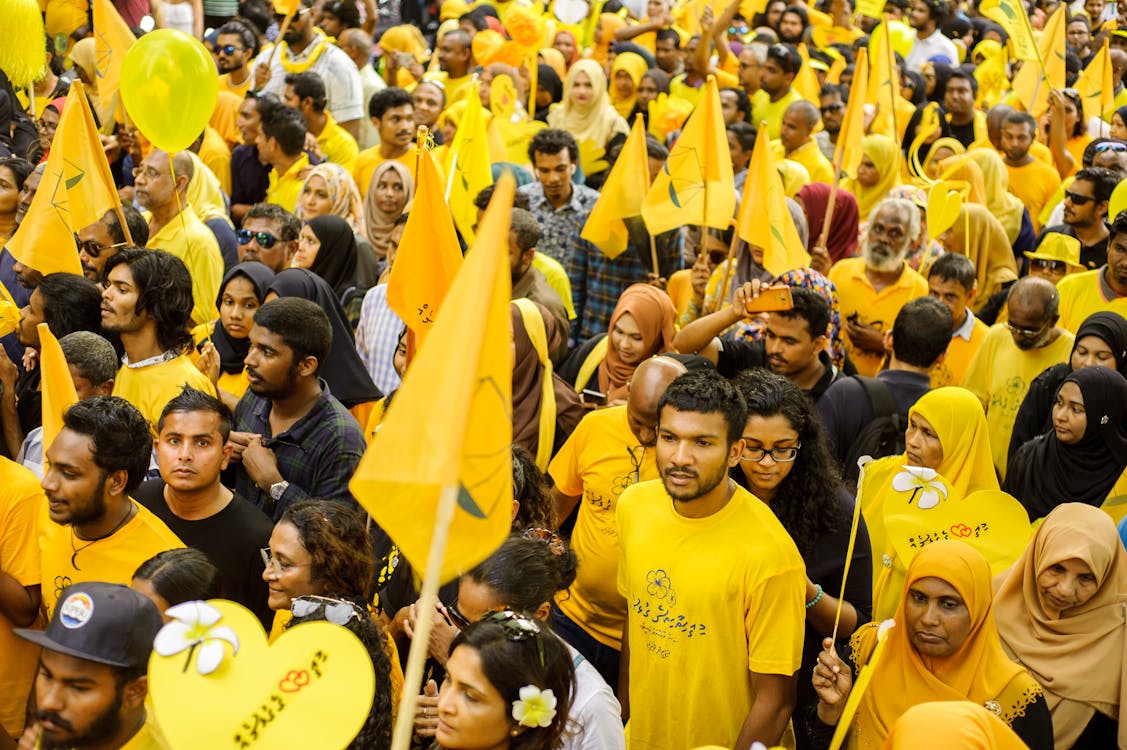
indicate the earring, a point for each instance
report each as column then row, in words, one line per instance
column 514, row 732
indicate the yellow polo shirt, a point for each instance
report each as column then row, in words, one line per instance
column 1082, row 294
column 762, row 108
column 215, row 154
column 857, row 297
column 240, row 89
column 286, row 190
column 337, row 144
column 964, row 345
column 811, row 157
column 191, row 241
column 370, row 158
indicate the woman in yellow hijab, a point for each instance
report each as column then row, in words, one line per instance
column 961, row 724
column 1006, row 207
column 947, row 434
column 586, row 111
column 943, row 646
column 605, row 28
column 625, row 77
column 879, row 172
column 979, row 236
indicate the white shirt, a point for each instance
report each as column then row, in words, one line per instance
column 926, row 48
column 596, row 716
column 342, row 80
column 370, row 83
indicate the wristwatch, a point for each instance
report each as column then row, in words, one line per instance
column 277, row 489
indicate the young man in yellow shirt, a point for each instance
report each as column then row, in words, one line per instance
column 1014, row 353
column 305, row 92
column 713, row 584
column 797, row 142
column 1031, row 179
column 952, row 281
column 775, row 92
column 280, row 142
column 1082, row 294
column 393, row 113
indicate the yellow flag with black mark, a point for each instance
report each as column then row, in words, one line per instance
column 112, row 39
column 1096, row 85
column 450, row 426
column 621, row 196
column 1013, row 18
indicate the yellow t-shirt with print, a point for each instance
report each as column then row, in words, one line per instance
column 709, row 600
column 149, row 388
column 1000, row 374
column 953, row 369
column 857, row 297
column 1082, row 294
column 600, row 460
column 66, row 559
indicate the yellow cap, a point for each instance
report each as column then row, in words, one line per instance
column 1057, row 246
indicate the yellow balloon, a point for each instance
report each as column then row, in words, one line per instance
column 1118, row 201
column 902, row 37
column 943, row 207
column 169, row 86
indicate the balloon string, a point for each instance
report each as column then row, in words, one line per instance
column 183, row 221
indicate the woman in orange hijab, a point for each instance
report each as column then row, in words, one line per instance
column 942, row 646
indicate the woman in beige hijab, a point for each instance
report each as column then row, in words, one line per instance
column 1062, row 613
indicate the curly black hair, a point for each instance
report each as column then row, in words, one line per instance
column 806, row 501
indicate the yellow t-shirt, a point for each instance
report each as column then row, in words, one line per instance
column 148, row 737
column 960, row 352
column 556, row 277
column 456, row 89
column 217, row 156
column 66, row 559
column 1000, row 375
column 762, row 108
column 709, row 601
column 149, row 388
column 286, row 190
column 20, row 505
column 811, row 157
column 680, row 290
column 1034, row 184
column 856, row 296
column 337, row 144
column 370, row 158
column 238, row 89
column 600, row 460
column 191, row 241
column 1082, row 294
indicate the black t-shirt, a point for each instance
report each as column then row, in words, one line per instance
column 231, row 539
column 964, row 134
column 1091, row 256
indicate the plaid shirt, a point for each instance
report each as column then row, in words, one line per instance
column 560, row 227
column 317, row 455
column 597, row 281
column 377, row 337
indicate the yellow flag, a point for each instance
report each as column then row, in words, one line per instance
column 57, row 386
column 806, row 81
column 695, row 185
column 112, row 39
column 77, row 190
column 1096, row 85
column 765, row 220
column 9, row 312
column 1029, row 84
column 621, row 196
column 852, row 132
column 429, row 256
column 870, row 8
column 1011, row 15
column 884, row 82
column 451, row 426
column 468, row 170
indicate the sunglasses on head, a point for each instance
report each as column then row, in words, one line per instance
column 336, row 611
column 516, row 627
column 555, row 544
column 265, row 240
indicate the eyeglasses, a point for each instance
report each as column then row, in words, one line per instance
column 1118, row 148
column 1077, row 199
column 229, row 49
column 1027, row 332
column 265, row 240
column 555, row 544
column 778, row 455
column 457, row 619
column 336, row 611
column 832, row 108
column 147, row 172
column 516, row 627
column 275, row 566
column 1048, row 266
column 93, row 249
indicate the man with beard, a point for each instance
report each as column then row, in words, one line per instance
column 832, row 107
column 872, row 289
column 250, row 175
column 528, row 281
column 1085, row 213
column 292, row 440
column 926, row 16
column 235, row 47
column 1105, row 288
column 393, row 113
column 775, row 92
column 303, row 48
column 100, row 241
column 698, row 593
column 1032, row 180
column 1012, row 354
column 90, row 529
column 91, row 687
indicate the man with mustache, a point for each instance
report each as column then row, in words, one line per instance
column 191, row 450
column 91, row 686
column 872, row 289
column 393, row 114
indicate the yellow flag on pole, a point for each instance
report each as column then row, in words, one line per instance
column 1013, row 18
column 451, row 426
column 695, row 185
column 884, row 82
column 1096, row 85
column 112, row 39
column 764, row 219
column 77, row 190
column 806, row 81
column 57, row 387
column 852, row 131
column 9, row 312
column 469, row 169
column 621, row 196
column 429, row 255
column 1032, row 82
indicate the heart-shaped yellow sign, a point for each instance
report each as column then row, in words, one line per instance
column 312, row 688
column 943, row 207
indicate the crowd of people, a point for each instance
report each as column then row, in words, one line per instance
column 709, row 504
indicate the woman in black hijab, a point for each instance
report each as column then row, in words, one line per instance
column 348, row 381
column 1100, row 340
column 549, row 90
column 240, row 295
column 335, row 261
column 1082, row 457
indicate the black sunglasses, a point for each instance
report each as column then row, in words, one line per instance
column 457, row 619
column 1051, row 266
column 1078, row 200
column 93, row 249
column 265, row 240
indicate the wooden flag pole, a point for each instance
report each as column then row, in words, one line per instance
column 281, row 35
column 428, row 597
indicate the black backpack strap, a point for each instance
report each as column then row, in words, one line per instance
column 880, row 397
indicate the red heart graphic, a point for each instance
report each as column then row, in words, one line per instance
column 294, row 681
column 961, row 529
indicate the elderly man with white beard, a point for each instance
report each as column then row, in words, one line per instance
column 872, row 289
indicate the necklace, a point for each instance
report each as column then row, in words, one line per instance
column 111, row 532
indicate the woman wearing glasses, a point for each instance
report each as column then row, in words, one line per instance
column 786, row 465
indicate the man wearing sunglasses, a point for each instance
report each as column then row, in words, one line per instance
column 269, row 236
column 235, row 47
column 1085, row 214
column 100, row 241
column 831, row 101
column 1102, row 289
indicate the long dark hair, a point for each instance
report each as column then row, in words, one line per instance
column 806, row 502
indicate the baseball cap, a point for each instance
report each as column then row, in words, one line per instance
column 1057, row 246
column 100, row 622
